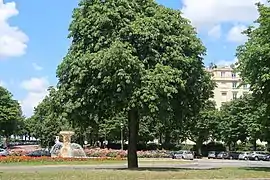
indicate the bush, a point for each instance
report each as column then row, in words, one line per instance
column 18, row 152
column 123, row 153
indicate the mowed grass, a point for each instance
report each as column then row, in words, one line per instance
column 142, row 174
column 93, row 162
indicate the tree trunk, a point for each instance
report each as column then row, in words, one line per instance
column 133, row 126
column 268, row 146
column 228, row 146
column 199, row 147
column 234, row 146
column 6, row 142
column 254, row 145
column 167, row 137
column 160, row 138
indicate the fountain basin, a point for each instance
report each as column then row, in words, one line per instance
column 66, row 149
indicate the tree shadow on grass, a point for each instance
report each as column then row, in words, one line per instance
column 265, row 169
column 160, row 169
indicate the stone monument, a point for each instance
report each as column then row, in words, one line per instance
column 65, row 151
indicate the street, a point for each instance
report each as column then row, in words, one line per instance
column 195, row 164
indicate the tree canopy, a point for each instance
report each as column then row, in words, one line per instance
column 10, row 113
column 254, row 57
column 242, row 119
column 132, row 56
column 203, row 126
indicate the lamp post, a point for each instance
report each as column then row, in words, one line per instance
column 122, row 144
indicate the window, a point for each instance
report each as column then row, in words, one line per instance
column 245, row 86
column 222, row 74
column 224, row 94
column 234, row 95
column 234, row 85
column 233, row 75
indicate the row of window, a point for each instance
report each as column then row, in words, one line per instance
column 223, row 74
column 235, row 85
column 234, row 94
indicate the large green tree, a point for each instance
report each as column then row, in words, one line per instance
column 242, row 119
column 10, row 113
column 46, row 123
column 203, row 126
column 232, row 126
column 135, row 57
column 254, row 57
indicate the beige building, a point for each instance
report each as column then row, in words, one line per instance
column 229, row 85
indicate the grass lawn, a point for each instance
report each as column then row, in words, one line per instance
column 147, row 174
column 93, row 162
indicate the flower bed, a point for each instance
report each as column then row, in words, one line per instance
column 123, row 153
column 14, row 159
column 105, row 153
column 19, row 152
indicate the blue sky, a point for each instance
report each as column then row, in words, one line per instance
column 33, row 38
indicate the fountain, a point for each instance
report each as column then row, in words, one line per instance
column 66, row 149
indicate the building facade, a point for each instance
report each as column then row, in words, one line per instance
column 229, row 85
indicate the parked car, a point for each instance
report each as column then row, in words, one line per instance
column 197, row 155
column 258, row 156
column 183, row 154
column 243, row 156
column 39, row 153
column 3, row 152
column 228, row 155
column 267, row 158
column 212, row 154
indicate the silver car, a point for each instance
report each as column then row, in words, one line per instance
column 257, row 155
column 243, row 156
column 183, row 154
column 3, row 152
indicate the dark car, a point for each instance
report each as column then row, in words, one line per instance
column 197, row 155
column 39, row 153
column 267, row 157
column 228, row 155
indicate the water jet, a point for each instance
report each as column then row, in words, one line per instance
column 66, row 149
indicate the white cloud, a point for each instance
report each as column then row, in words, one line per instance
column 37, row 67
column 37, row 90
column 226, row 62
column 2, row 83
column 235, row 34
column 215, row 32
column 12, row 39
column 35, row 84
column 207, row 13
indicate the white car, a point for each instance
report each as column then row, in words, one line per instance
column 243, row 156
column 183, row 154
column 3, row 152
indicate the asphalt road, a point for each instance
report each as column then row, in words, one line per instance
column 196, row 164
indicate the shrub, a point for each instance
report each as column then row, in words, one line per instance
column 122, row 153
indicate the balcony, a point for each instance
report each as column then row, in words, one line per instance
column 226, row 78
